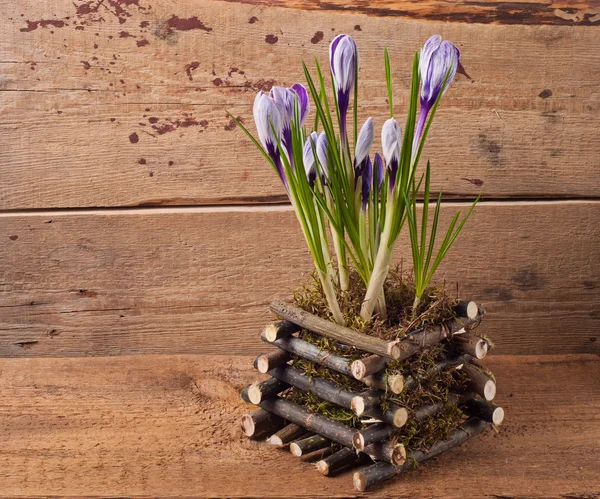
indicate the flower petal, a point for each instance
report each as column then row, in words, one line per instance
column 364, row 142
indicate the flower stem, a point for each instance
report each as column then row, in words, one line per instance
column 329, row 292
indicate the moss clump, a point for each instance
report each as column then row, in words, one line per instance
column 436, row 306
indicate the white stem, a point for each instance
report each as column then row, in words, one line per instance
column 380, row 306
column 329, row 291
column 340, row 252
column 380, row 269
column 326, row 253
column 415, row 306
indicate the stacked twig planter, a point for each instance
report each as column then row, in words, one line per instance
column 310, row 435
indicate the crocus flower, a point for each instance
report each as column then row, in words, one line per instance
column 343, row 59
column 438, row 58
column 308, row 157
column 363, row 145
column 269, row 124
column 303, row 105
column 391, row 140
column 378, row 172
column 284, row 100
column 367, row 182
column 323, row 155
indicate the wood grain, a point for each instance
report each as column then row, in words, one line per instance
column 168, row 426
column 199, row 280
column 123, row 103
column 529, row 12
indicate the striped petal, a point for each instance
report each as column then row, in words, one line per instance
column 364, row 142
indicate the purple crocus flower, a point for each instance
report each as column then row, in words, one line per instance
column 266, row 112
column 391, row 140
column 378, row 172
column 303, row 104
column 308, row 157
column 284, row 100
column 363, row 146
column 323, row 155
column 367, row 182
column 343, row 59
column 438, row 58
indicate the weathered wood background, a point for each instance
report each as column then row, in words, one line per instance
column 137, row 219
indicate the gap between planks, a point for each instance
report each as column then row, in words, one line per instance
column 254, row 208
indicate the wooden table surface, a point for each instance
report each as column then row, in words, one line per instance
column 169, row 426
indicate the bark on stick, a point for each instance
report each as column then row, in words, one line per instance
column 271, row 360
column 311, row 352
column 261, row 421
column 467, row 309
column 393, row 382
column 385, row 451
column 373, row 433
column 337, row 461
column 286, row 435
column 472, row 345
column 377, row 473
column 308, row 445
column 484, row 410
column 269, row 388
column 280, row 329
column 322, row 388
column 480, row 383
column 314, row 422
column 390, row 349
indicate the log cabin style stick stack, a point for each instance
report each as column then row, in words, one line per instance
column 374, row 442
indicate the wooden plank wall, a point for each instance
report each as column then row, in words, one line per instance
column 136, row 218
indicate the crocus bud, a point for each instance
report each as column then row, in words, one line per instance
column 323, row 155
column 308, row 157
column 438, row 59
column 438, row 63
column 378, row 172
column 303, row 105
column 391, row 140
column 343, row 59
column 367, row 182
column 269, row 125
column 364, row 142
column 284, row 100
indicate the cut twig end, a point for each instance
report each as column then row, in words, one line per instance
column 295, row 449
column 323, row 467
column 358, row 405
column 489, row 391
column 400, row 417
column 360, row 482
column 498, row 416
column 395, row 383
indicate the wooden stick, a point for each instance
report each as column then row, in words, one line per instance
column 260, row 421
column 286, row 435
column 373, row 433
column 428, row 410
column 280, row 329
column 395, row 415
column 385, row 451
column 266, row 361
column 311, row 457
column 377, row 473
column 390, row 349
column 467, row 309
column 445, row 365
column 484, row 410
column 394, row 382
column 338, row 460
column 311, row 352
column 322, row 388
column 472, row 345
column 269, row 388
column 412, row 343
column 368, row 366
column 366, row 401
column 480, row 383
column 314, row 422
column 308, row 445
